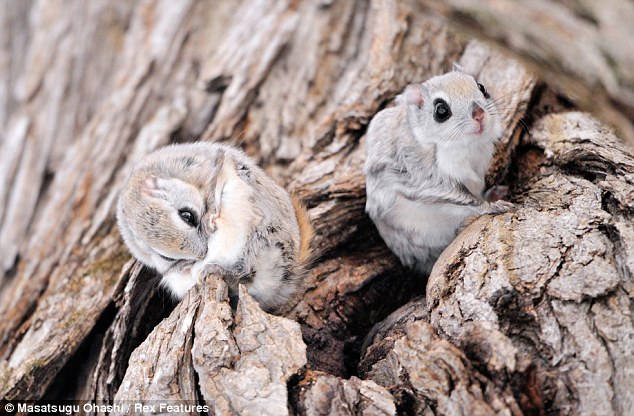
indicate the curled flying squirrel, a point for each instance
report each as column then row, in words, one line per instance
column 426, row 160
column 189, row 210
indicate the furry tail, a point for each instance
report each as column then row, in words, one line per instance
column 306, row 231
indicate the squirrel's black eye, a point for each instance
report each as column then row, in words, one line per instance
column 483, row 91
column 189, row 217
column 442, row 112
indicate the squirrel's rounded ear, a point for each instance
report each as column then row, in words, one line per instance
column 413, row 95
column 457, row 67
column 151, row 187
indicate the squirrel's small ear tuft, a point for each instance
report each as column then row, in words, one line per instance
column 152, row 188
column 456, row 67
column 413, row 95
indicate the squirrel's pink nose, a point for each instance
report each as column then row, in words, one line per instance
column 477, row 113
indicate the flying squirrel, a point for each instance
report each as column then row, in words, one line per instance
column 425, row 167
column 189, row 210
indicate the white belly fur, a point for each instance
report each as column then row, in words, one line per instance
column 433, row 223
column 466, row 164
column 179, row 283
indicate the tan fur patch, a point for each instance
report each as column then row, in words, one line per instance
column 460, row 88
column 306, row 231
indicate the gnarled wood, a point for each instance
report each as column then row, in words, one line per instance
column 87, row 88
column 548, row 289
column 323, row 394
column 426, row 374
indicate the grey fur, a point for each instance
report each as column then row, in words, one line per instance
column 222, row 186
column 424, row 178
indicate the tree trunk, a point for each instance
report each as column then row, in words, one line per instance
column 526, row 312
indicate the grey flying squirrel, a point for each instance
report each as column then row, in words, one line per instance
column 426, row 159
column 189, row 210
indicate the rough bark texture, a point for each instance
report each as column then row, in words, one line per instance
column 428, row 375
column 547, row 290
column 242, row 363
column 527, row 312
column 323, row 394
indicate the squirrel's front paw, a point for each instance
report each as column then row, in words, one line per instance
column 500, row 207
column 210, row 269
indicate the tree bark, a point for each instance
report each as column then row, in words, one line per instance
column 548, row 288
column 428, row 375
column 523, row 313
